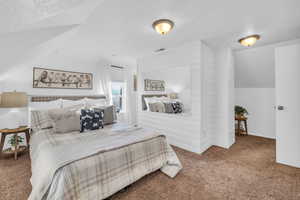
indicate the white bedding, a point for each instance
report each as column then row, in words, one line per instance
column 96, row 164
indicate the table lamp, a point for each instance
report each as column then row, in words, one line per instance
column 14, row 100
column 173, row 95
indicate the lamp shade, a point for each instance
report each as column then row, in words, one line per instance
column 13, row 100
column 173, row 95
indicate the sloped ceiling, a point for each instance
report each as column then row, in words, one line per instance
column 255, row 68
column 123, row 27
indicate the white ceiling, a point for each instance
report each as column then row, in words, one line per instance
column 122, row 27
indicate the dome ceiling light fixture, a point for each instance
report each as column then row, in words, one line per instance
column 163, row 26
column 159, row 50
column 249, row 40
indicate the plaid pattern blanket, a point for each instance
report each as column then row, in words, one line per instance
column 107, row 162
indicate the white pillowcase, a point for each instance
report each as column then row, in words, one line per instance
column 150, row 100
column 95, row 102
column 70, row 103
column 45, row 105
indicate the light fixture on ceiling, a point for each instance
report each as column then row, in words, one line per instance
column 249, row 40
column 163, row 26
column 159, row 50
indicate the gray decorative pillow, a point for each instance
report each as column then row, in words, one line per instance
column 169, row 108
column 157, row 107
column 67, row 123
column 65, row 119
column 152, row 107
column 110, row 115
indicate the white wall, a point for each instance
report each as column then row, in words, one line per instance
column 260, row 104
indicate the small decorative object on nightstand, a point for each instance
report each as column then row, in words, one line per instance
column 15, row 141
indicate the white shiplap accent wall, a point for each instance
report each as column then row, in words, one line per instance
column 190, row 131
column 209, row 96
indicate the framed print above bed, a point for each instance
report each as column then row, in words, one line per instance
column 154, row 85
column 59, row 79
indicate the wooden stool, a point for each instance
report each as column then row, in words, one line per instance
column 240, row 119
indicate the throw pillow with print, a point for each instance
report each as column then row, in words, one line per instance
column 91, row 120
column 177, row 107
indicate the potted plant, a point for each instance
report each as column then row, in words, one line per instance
column 14, row 141
column 240, row 111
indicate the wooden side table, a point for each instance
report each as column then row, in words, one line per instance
column 5, row 132
column 240, row 120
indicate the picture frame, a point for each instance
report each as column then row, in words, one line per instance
column 61, row 79
column 154, row 85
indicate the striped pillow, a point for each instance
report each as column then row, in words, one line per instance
column 40, row 120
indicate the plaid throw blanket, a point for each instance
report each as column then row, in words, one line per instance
column 96, row 164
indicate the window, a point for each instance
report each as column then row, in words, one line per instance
column 118, row 95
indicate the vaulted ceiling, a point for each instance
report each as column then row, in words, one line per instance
column 102, row 28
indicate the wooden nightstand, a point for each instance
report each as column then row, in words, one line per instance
column 5, row 132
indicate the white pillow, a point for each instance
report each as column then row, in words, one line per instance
column 45, row 105
column 70, row 103
column 95, row 102
column 150, row 100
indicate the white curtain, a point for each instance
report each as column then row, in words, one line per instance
column 105, row 83
column 129, row 96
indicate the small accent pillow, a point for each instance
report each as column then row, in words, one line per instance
column 110, row 115
column 157, row 107
column 169, row 108
column 177, row 107
column 152, row 107
column 91, row 120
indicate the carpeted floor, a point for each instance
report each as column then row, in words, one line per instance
column 246, row 171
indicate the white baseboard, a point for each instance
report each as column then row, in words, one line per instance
column 261, row 135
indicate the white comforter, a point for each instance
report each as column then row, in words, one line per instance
column 96, row 164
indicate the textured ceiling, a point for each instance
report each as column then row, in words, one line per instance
column 123, row 27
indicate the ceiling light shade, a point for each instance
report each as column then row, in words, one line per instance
column 163, row 26
column 249, row 40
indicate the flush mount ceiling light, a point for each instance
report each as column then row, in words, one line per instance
column 249, row 40
column 163, row 26
column 159, row 50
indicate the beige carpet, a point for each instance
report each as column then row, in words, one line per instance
column 246, row 171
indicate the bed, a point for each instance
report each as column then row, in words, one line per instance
column 95, row 164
